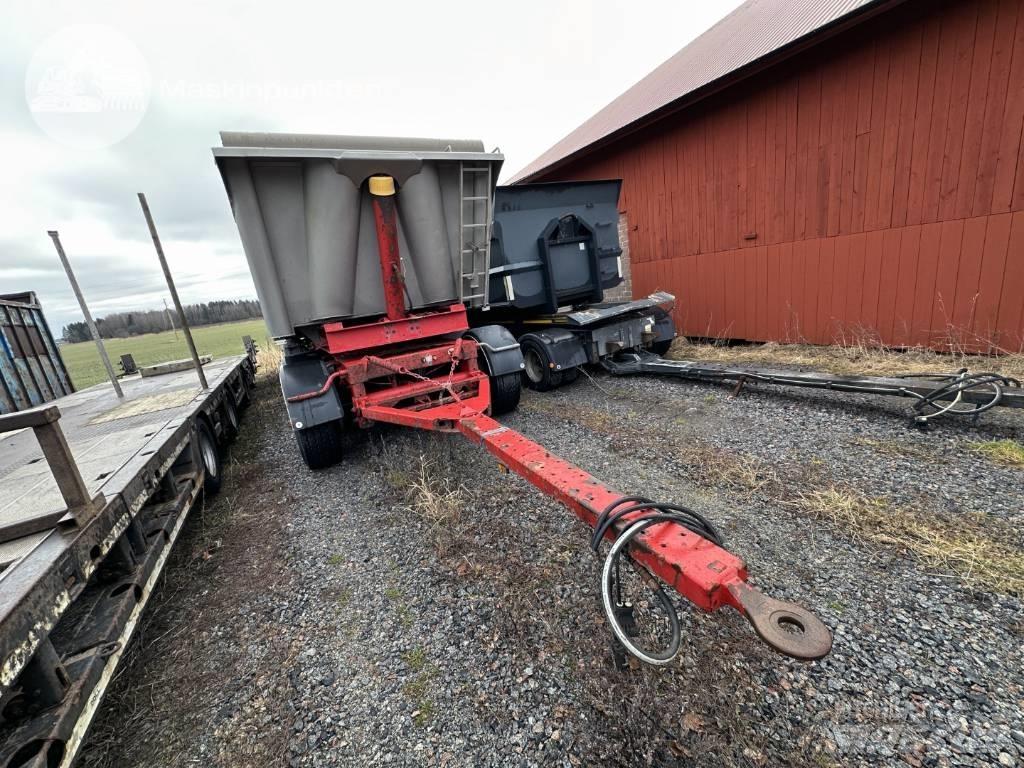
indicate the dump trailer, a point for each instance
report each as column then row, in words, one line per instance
column 555, row 251
column 367, row 254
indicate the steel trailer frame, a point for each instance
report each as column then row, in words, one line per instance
column 419, row 370
column 620, row 336
column 74, row 584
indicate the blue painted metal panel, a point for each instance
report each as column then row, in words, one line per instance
column 32, row 371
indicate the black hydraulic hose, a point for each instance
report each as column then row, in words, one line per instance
column 955, row 385
column 611, row 582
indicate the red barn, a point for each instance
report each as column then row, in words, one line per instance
column 827, row 170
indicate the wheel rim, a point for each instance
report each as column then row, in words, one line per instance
column 232, row 415
column 209, row 454
column 534, row 366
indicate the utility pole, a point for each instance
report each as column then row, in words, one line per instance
column 174, row 292
column 170, row 319
column 85, row 311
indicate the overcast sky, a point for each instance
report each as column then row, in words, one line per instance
column 519, row 76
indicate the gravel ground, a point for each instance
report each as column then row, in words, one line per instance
column 321, row 619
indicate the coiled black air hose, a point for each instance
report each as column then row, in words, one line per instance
column 611, row 583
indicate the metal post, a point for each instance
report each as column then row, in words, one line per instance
column 170, row 319
column 174, row 292
column 85, row 311
column 382, row 193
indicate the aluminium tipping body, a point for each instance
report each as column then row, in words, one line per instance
column 303, row 212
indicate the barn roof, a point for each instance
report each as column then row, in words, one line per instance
column 755, row 33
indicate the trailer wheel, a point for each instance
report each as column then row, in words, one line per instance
column 661, row 348
column 232, row 426
column 247, row 382
column 505, row 392
column 320, row 445
column 209, row 454
column 569, row 375
column 538, row 371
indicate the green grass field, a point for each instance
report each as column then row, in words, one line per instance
column 86, row 368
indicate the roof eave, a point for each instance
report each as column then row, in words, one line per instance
column 774, row 58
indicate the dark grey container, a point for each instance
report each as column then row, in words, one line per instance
column 554, row 245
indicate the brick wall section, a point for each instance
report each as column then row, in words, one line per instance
column 624, row 290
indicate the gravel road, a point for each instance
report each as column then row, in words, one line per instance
column 328, row 619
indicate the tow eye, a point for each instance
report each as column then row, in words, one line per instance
column 788, row 628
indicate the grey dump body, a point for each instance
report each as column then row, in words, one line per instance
column 31, row 369
column 554, row 245
column 306, row 223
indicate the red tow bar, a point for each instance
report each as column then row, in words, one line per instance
column 702, row 572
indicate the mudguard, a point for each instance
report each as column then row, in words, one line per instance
column 500, row 348
column 565, row 348
column 307, row 373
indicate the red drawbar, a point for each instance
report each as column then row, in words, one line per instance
column 700, row 571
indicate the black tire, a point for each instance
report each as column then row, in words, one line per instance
column 320, row 446
column 209, row 455
column 232, row 424
column 247, row 387
column 505, row 392
column 661, row 348
column 569, row 375
column 538, row 373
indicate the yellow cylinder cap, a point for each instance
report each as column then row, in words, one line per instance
column 382, row 186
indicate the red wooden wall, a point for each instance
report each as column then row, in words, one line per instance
column 869, row 189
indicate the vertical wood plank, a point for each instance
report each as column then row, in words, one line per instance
column 939, row 117
column 872, row 283
column 841, row 290
column 906, row 286
column 1011, row 302
column 854, row 316
column 968, row 280
column 977, row 99
column 887, row 282
column 950, row 245
column 876, row 139
column 1010, row 132
column 990, row 281
column 923, row 121
column 905, row 134
column 826, row 285
column 959, row 96
column 924, row 295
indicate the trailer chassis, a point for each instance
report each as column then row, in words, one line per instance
column 436, row 384
column 628, row 338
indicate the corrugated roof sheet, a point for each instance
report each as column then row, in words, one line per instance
column 755, row 29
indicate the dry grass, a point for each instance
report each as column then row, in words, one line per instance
column 851, row 358
column 1007, row 452
column 269, row 357
column 737, row 471
column 438, row 500
column 970, row 547
column 897, row 449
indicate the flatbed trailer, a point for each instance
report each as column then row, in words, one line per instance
column 94, row 492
